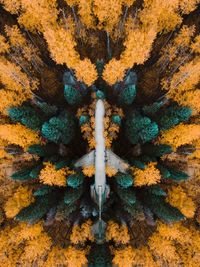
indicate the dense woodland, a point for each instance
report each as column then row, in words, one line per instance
column 57, row 58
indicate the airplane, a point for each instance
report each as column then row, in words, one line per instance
column 101, row 157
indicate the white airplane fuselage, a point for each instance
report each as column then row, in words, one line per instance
column 100, row 161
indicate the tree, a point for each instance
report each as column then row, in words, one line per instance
column 80, row 234
column 27, row 116
column 37, row 209
column 127, row 95
column 127, row 195
column 124, row 180
column 72, row 95
column 172, row 116
column 178, row 135
column 176, row 197
column 152, row 109
column 140, row 129
column 72, row 195
column 161, row 209
column 149, row 176
column 51, row 176
column 18, row 134
column 156, row 150
column 46, row 108
column 59, row 129
column 75, row 180
column 21, row 198
column 41, row 150
column 117, row 233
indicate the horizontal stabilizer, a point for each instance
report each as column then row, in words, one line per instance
column 86, row 160
column 116, row 162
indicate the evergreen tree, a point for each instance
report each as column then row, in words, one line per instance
column 38, row 209
column 99, row 256
column 59, row 129
column 75, row 180
column 44, row 190
column 72, row 95
column 172, row 116
column 140, row 129
column 72, row 195
column 127, row 95
column 152, row 109
column 165, row 173
column 116, row 119
column 126, row 194
column 156, row 150
column 83, row 119
column 22, row 175
column 156, row 190
column 46, row 108
column 42, row 150
column 27, row 116
column 162, row 209
column 124, row 180
column 36, row 171
column 178, row 175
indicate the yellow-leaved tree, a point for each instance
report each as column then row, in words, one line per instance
column 117, row 233
column 182, row 134
column 18, row 134
column 21, row 198
column 150, row 175
column 80, row 234
column 51, row 176
column 179, row 199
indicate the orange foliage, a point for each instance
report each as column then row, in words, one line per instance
column 80, row 234
column 4, row 45
column 49, row 175
column 178, row 135
column 88, row 170
column 150, row 175
column 20, row 199
column 179, row 199
column 18, row 134
column 110, row 172
column 117, row 233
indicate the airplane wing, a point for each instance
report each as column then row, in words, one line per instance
column 116, row 162
column 86, row 160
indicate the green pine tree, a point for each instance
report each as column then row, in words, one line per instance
column 47, row 109
column 42, row 150
column 140, row 129
column 27, row 116
column 156, row 190
column 128, row 95
column 75, row 180
column 72, row 195
column 116, row 119
column 22, row 175
column 38, row 209
column 44, row 190
column 156, row 150
column 126, row 194
column 172, row 116
column 125, row 180
column 152, row 109
column 162, row 209
column 72, row 95
column 83, row 119
column 59, row 129
column 178, row 175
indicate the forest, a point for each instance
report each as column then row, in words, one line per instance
column 141, row 60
